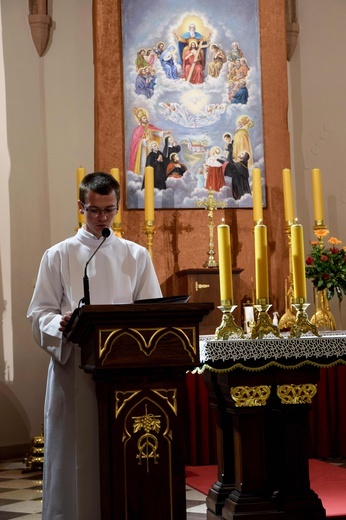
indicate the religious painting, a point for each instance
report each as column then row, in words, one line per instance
column 193, row 101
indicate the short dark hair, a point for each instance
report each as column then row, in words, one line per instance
column 99, row 182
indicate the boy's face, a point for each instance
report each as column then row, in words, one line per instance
column 99, row 210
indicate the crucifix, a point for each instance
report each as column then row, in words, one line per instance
column 211, row 204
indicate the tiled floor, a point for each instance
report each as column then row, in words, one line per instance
column 21, row 495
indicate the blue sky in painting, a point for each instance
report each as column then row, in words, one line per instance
column 144, row 24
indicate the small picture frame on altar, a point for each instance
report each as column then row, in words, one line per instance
column 249, row 317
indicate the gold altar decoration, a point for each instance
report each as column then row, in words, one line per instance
column 35, row 458
column 323, row 318
column 296, row 394
column 263, row 325
column 288, row 319
column 149, row 230
column 211, row 204
column 250, row 395
column 117, row 223
column 228, row 329
column 302, row 324
column 148, row 442
column 327, row 269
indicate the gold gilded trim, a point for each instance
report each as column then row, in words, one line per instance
column 296, row 394
column 170, row 396
column 122, row 398
column 250, row 395
column 147, row 347
column 307, row 362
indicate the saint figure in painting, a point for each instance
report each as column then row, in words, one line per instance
column 175, row 168
column 219, row 58
column 193, row 63
column 155, row 160
column 142, row 135
column 187, row 37
column 167, row 63
column 242, row 142
column 239, row 172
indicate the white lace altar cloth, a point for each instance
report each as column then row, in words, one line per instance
column 286, row 352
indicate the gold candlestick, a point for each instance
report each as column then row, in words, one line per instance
column 288, row 319
column 302, row 324
column 149, row 230
column 263, row 325
column 228, row 328
column 211, row 204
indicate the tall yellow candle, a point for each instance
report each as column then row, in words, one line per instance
column 298, row 262
column 317, row 196
column 116, row 174
column 149, row 194
column 225, row 264
column 257, row 195
column 261, row 262
column 80, row 177
column 288, row 195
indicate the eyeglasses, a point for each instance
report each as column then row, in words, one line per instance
column 95, row 212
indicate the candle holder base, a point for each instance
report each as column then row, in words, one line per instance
column 263, row 325
column 211, row 262
column 149, row 230
column 228, row 328
column 302, row 324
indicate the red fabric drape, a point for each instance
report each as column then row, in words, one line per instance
column 328, row 415
column 201, row 436
column 327, row 419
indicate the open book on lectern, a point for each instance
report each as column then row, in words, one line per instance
column 165, row 299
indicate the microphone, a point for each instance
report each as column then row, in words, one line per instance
column 105, row 233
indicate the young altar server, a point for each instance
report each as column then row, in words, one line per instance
column 119, row 273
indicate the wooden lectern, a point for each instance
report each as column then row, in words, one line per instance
column 138, row 355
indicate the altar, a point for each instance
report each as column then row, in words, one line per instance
column 262, row 391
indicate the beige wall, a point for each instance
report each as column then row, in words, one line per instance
column 317, row 86
column 46, row 131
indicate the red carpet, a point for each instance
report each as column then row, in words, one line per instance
column 327, row 480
